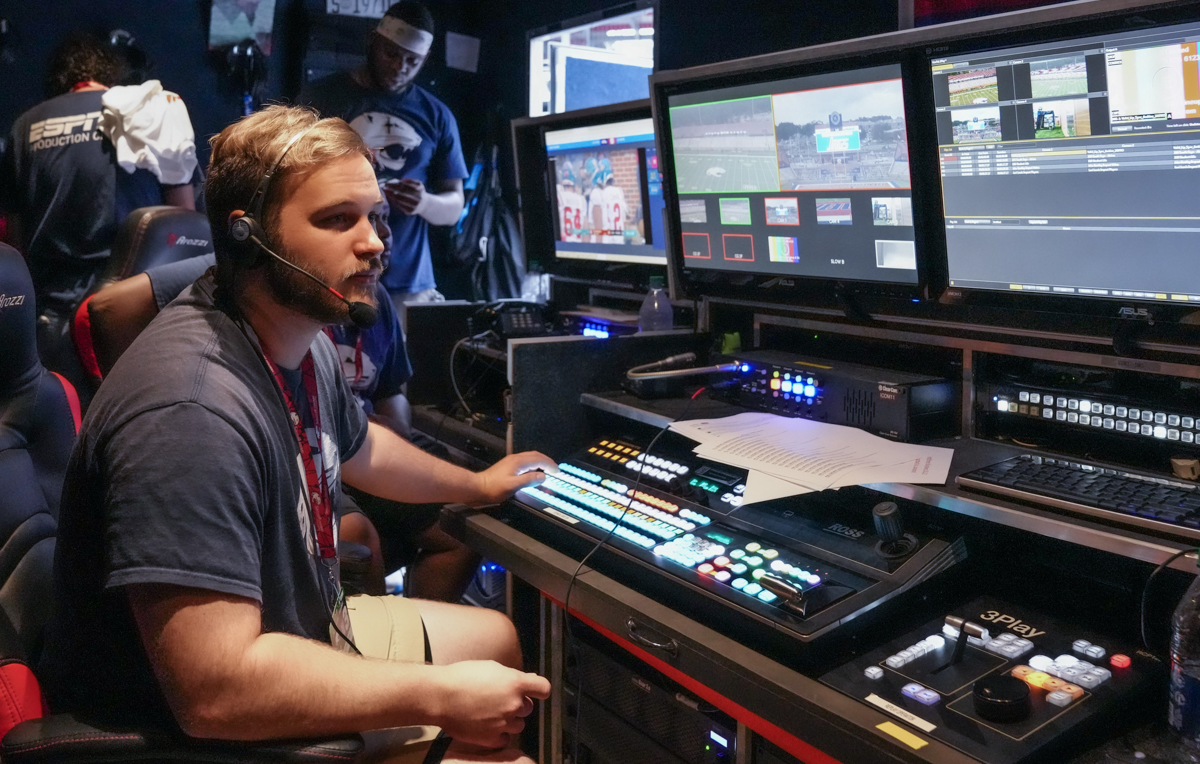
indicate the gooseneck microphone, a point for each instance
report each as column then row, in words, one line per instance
column 363, row 315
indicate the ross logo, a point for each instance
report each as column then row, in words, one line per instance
column 8, row 302
column 845, row 530
column 174, row 239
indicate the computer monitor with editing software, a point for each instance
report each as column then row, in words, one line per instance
column 1070, row 167
column 799, row 173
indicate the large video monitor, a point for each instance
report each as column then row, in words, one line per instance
column 800, row 174
column 607, row 196
column 1071, row 167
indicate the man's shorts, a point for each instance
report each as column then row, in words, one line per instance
column 390, row 628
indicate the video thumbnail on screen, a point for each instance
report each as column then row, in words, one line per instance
column 845, row 137
column 725, row 146
column 599, row 197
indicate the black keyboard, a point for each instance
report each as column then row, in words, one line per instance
column 1149, row 501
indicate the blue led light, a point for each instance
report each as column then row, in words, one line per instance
column 810, row 391
column 808, row 401
column 589, row 331
column 786, row 386
column 809, row 381
column 745, row 367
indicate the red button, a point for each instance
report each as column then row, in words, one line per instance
column 1120, row 661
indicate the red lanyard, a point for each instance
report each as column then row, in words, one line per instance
column 318, row 498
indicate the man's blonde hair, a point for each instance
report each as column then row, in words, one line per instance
column 245, row 151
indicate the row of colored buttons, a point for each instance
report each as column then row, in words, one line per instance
column 1009, row 645
column 690, row 550
column 620, row 500
column 662, row 528
column 1091, row 407
column 1083, row 647
column 787, row 569
column 1068, row 668
column 788, row 375
column 920, row 693
column 807, row 391
column 753, row 589
column 667, row 464
column 575, row 510
column 910, row 654
column 627, row 450
column 653, row 472
column 1061, row 692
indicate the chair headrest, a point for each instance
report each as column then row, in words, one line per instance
column 152, row 236
column 18, row 318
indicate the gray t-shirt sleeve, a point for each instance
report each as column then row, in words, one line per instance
column 180, row 513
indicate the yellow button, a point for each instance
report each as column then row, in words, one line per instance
column 770, row 554
column 753, row 546
column 774, row 384
column 1038, row 678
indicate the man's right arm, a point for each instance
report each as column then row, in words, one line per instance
column 224, row 678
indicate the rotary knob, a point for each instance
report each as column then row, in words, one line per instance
column 888, row 524
column 1001, row 699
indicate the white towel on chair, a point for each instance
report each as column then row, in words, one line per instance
column 149, row 127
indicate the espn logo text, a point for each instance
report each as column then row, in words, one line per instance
column 60, row 131
column 8, row 302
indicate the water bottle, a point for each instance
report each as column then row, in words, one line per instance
column 1184, row 703
column 656, row 315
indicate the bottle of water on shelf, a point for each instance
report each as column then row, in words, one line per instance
column 656, row 314
column 1184, row 698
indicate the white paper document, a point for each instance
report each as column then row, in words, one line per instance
column 811, row 456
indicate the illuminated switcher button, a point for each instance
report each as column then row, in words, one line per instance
column 1080, row 645
column 1023, row 396
column 1187, row 437
column 1109, row 423
column 1060, row 402
column 1035, row 397
column 1020, row 672
column 911, row 689
column 1084, row 418
column 1173, row 420
column 1072, row 404
column 1147, row 416
column 873, row 672
column 1187, row 421
column 1160, row 418
column 1047, row 413
column 1060, row 415
column 1172, row 434
column 738, row 583
column 1120, row 661
column 1160, row 432
column 1041, row 662
column 1059, row 698
column 1085, row 406
column 1135, row 413
column 1109, row 410
column 722, row 575
column 1072, row 417
column 752, row 588
column 928, row 697
column 1097, row 408
column 1148, row 429
column 1122, row 425
column 1122, row 411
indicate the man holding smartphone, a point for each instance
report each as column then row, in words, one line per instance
column 412, row 136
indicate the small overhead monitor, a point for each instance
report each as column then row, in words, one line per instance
column 1070, row 168
column 606, row 196
column 803, row 177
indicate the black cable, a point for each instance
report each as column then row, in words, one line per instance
column 1146, row 589
column 603, row 540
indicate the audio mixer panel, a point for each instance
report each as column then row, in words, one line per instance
column 1002, row 683
column 680, row 517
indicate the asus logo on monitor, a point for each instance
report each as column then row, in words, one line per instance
column 1135, row 313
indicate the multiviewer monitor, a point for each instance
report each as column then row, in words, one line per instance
column 1071, row 168
column 607, row 195
column 805, row 177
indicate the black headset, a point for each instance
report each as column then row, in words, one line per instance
column 246, row 230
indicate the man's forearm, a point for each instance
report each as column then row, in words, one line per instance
column 392, row 468
column 277, row 694
column 444, row 208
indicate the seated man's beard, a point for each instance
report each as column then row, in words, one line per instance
column 303, row 295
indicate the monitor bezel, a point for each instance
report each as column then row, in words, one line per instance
column 773, row 287
column 536, row 198
column 1128, row 19
column 917, row 47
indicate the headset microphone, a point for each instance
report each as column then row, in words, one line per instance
column 362, row 314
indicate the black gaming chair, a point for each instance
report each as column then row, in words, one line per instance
column 148, row 237
column 39, row 419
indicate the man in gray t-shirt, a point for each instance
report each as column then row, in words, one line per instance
column 196, row 574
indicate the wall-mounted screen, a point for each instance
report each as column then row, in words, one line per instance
column 1070, row 168
column 805, row 177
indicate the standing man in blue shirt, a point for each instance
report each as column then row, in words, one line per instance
column 412, row 136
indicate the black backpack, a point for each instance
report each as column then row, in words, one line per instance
column 487, row 239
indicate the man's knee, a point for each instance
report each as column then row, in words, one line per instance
column 506, row 646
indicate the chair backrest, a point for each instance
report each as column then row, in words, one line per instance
column 39, row 419
column 151, row 236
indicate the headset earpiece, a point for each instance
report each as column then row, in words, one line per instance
column 243, row 227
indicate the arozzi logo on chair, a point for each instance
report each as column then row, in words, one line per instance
column 174, row 239
column 8, row 302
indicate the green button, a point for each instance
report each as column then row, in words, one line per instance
column 738, row 554
column 753, row 546
column 720, row 538
column 770, row 554
column 754, row 561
